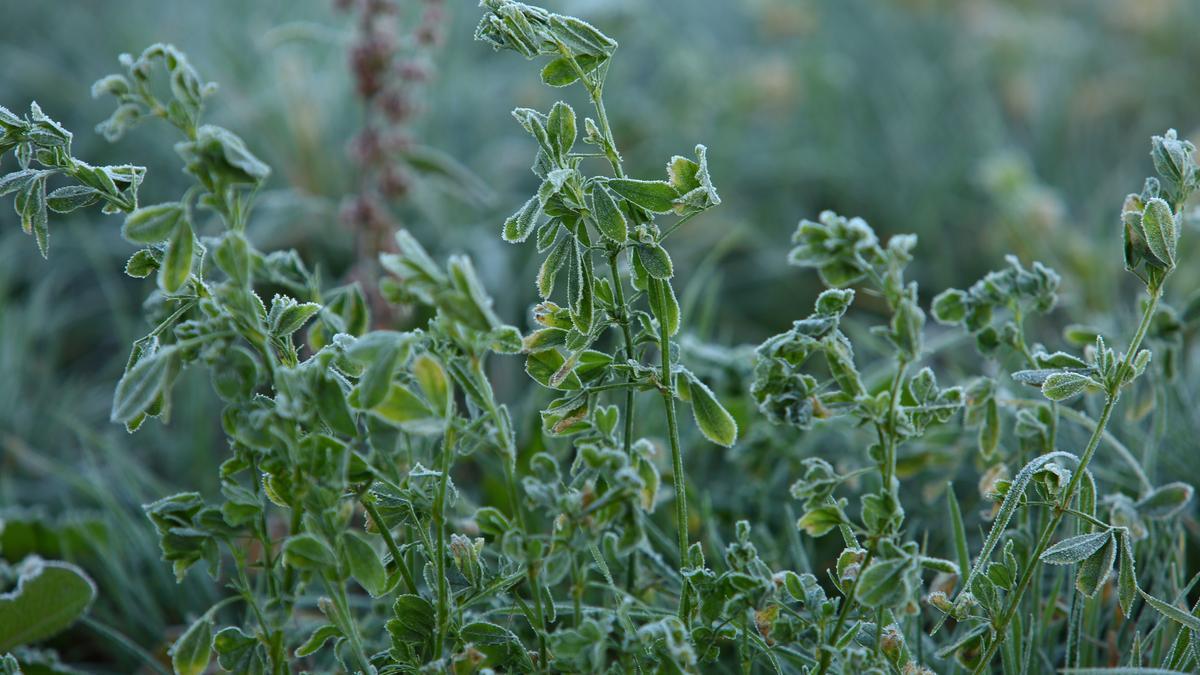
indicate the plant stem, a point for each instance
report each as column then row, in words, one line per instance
column 826, row 656
column 390, row 542
column 1069, row 494
column 678, row 478
column 439, row 555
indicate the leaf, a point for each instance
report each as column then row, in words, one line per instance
column 177, row 263
column 152, row 224
column 307, row 552
column 332, row 407
column 377, row 379
column 950, row 306
column 1165, row 501
column 288, row 316
column 191, row 652
column 1126, row 575
column 414, row 620
column 1160, row 230
column 33, row 213
column 72, row 197
column 317, row 640
column 655, row 260
column 431, row 377
column 364, row 563
column 560, row 73
column 1093, row 572
column 141, row 385
column 962, row 553
column 609, row 219
column 484, row 633
column 237, row 652
column 714, row 421
column 520, row 224
column 49, row 596
column 819, row 521
column 548, row 273
column 1179, row 616
column 1073, row 549
column 884, row 583
column 655, row 196
column 406, row 410
column 560, row 125
column 1063, row 385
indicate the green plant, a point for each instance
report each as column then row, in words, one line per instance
column 381, row 511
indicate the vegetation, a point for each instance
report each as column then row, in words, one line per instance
column 388, row 501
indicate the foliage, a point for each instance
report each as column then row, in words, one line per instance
column 362, row 523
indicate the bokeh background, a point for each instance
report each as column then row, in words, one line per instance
column 984, row 126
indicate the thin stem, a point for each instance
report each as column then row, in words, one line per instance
column 826, row 655
column 1069, row 493
column 439, row 554
column 390, row 542
column 678, row 478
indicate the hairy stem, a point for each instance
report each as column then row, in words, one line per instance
column 439, row 555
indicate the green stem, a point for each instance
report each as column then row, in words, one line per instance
column 390, row 542
column 1000, row 627
column 439, row 554
column 827, row 654
column 678, row 478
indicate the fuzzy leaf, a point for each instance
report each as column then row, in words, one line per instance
column 714, row 421
column 1160, row 231
column 1063, row 385
column 1092, row 572
column 1126, row 576
column 177, row 263
column 655, row 260
column 1165, row 501
column 49, row 596
column 1074, row 549
column 152, row 224
column 307, row 552
column 191, row 652
column 655, row 196
column 364, row 563
column 609, row 219
column 520, row 224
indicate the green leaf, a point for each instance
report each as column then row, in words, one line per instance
column 238, row 652
column 560, row 73
column 152, row 224
column 520, row 224
column 364, row 563
column 1160, row 231
column 141, row 264
column 333, row 408
column 1060, row 386
column 317, row 640
column 1073, row 549
column 191, row 652
column 820, row 521
column 72, row 197
column 49, row 596
column 287, row 315
column 548, row 272
column 950, row 306
column 434, row 383
column 1165, row 501
column 560, row 125
column 307, row 552
column 141, row 385
column 1092, row 572
column 962, row 553
column 714, row 421
column 414, row 619
column 655, row 196
column 406, row 410
column 609, row 219
column 1126, row 576
column 177, row 263
column 232, row 255
column 1185, row 619
column 655, row 260
column 885, row 583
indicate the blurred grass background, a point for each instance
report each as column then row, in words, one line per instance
column 984, row 126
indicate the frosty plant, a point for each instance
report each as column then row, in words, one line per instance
column 576, row 219
column 380, row 511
